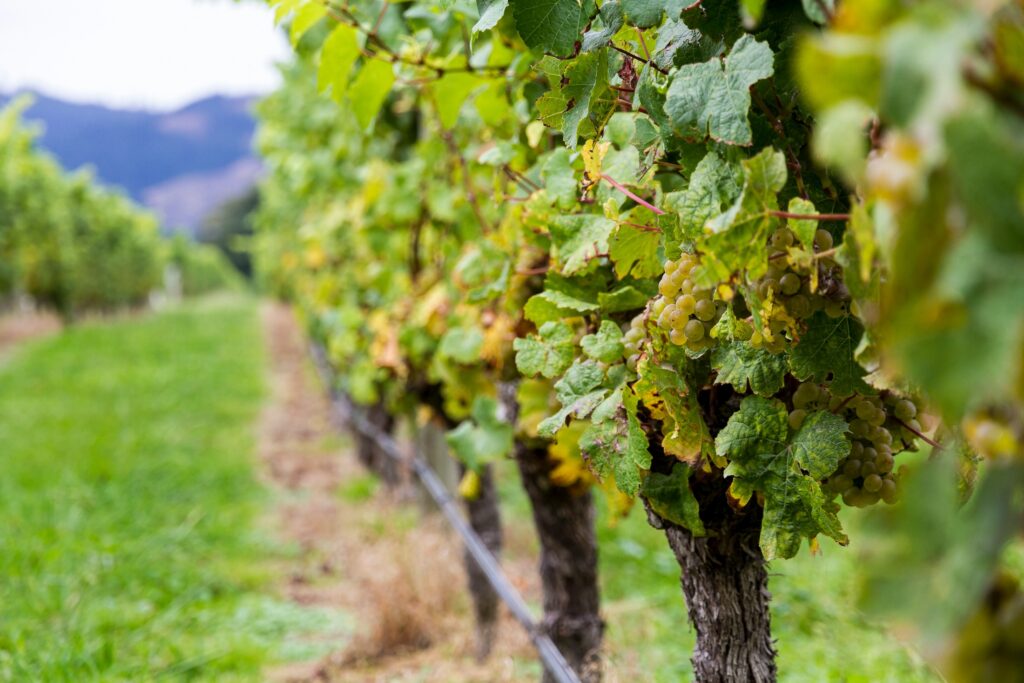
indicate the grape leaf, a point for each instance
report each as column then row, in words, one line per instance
column 634, row 251
column 712, row 98
column 305, row 18
column 739, row 234
column 668, row 398
column 462, row 344
column 621, row 299
column 555, row 305
column 548, row 25
column 451, row 92
column 559, row 178
column 484, row 438
column 337, row 57
column 605, row 345
column 786, row 471
column 618, row 446
column 739, row 364
column 669, row 495
column 370, row 89
column 611, row 15
column 579, row 392
column 825, row 353
column 491, row 12
column 548, row 353
column 579, row 238
column 647, row 13
column 568, row 103
column 713, row 184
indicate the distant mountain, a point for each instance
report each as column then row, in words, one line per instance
column 182, row 164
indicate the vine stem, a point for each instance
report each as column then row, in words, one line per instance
column 624, row 190
column 637, row 58
column 931, row 442
column 811, row 216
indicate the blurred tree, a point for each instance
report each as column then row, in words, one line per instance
column 229, row 228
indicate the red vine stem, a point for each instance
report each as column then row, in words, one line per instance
column 639, row 200
column 931, row 442
column 811, row 216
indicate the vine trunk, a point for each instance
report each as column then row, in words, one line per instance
column 725, row 582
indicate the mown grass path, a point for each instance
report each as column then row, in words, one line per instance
column 129, row 500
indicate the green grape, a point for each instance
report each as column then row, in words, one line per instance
column 852, row 467
column 676, row 319
column 851, row 496
column 694, row 330
column 783, row 237
column 796, row 418
column 870, row 453
column 885, row 463
column 841, row 482
column 687, row 304
column 804, row 395
column 868, row 468
column 859, row 428
column 857, row 449
column 799, row 306
column 865, row 410
column 789, row 284
column 873, row 483
column 889, row 491
column 677, row 337
column 905, row 410
column 822, row 240
column 767, row 287
column 706, row 310
column 835, row 309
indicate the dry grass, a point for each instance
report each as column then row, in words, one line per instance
column 399, row 572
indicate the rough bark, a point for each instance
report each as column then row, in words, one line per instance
column 568, row 563
column 485, row 517
column 725, row 583
column 369, row 452
column 564, row 519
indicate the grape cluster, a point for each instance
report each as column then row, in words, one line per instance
column 632, row 340
column 785, row 289
column 686, row 313
column 880, row 426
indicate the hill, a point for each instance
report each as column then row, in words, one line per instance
column 180, row 163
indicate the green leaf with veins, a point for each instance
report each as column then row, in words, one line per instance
column 484, row 438
column 548, row 25
column 369, row 90
column 634, row 251
column 667, row 397
column 669, row 495
column 713, row 98
column 462, row 344
column 785, row 470
column 605, row 345
column 825, row 353
column 580, row 392
column 618, row 446
column 491, row 12
column 337, row 57
column 739, row 235
column 580, row 238
column 740, row 364
column 611, row 15
column 555, row 305
column 549, row 353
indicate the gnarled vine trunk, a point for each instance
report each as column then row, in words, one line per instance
column 484, row 516
column 725, row 582
column 370, row 454
column 564, row 520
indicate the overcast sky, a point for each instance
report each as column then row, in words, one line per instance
column 141, row 53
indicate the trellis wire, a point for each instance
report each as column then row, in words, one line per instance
column 349, row 413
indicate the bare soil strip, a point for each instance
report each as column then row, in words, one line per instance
column 397, row 571
column 16, row 328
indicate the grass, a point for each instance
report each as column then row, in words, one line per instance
column 821, row 637
column 129, row 547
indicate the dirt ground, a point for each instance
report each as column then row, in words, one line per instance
column 18, row 327
column 396, row 570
